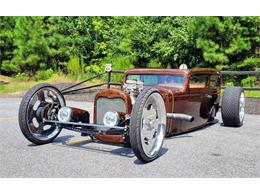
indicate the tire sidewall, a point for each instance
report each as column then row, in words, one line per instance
column 22, row 115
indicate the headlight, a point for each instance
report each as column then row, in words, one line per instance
column 111, row 118
column 64, row 114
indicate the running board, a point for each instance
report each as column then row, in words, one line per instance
column 180, row 116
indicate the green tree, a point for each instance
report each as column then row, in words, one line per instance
column 32, row 46
column 78, row 44
column 228, row 42
column 6, row 41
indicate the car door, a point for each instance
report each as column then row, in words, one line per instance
column 197, row 91
column 210, row 96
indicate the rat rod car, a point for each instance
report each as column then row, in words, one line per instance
column 149, row 105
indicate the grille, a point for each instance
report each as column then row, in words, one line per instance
column 106, row 104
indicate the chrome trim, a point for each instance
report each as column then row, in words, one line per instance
column 180, row 116
column 67, row 110
column 242, row 107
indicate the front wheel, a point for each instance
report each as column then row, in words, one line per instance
column 41, row 102
column 148, row 125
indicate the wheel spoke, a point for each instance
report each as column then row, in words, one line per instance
column 40, row 128
column 41, row 95
column 32, row 128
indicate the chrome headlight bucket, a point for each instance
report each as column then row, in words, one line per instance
column 64, row 114
column 111, row 118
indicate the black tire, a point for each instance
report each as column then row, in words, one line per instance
column 230, row 107
column 22, row 116
column 135, row 126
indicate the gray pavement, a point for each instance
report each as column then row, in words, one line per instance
column 214, row 151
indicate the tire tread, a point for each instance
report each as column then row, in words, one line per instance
column 230, row 107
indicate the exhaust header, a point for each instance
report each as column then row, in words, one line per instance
column 180, row 116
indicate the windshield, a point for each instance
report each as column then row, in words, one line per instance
column 160, row 80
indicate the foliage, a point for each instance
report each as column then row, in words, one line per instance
column 21, row 77
column 119, row 63
column 93, row 69
column 83, row 45
column 228, row 42
column 31, row 46
column 74, row 65
column 43, row 75
column 250, row 81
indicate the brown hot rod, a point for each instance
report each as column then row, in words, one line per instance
column 149, row 105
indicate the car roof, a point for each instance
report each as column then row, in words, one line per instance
column 172, row 71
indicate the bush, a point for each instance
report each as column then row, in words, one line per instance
column 93, row 69
column 230, row 84
column 154, row 64
column 74, row 65
column 43, row 74
column 21, row 77
column 250, row 81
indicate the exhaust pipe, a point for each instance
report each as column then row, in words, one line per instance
column 179, row 116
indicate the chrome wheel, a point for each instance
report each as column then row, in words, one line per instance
column 153, row 125
column 242, row 107
column 44, row 104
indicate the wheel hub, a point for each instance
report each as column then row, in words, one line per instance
column 152, row 132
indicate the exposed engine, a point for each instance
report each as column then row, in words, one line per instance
column 133, row 88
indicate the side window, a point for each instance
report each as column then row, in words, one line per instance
column 214, row 81
column 198, row 82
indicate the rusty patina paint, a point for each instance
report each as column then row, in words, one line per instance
column 113, row 93
column 180, row 100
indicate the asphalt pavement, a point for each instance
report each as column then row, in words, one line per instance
column 214, row 151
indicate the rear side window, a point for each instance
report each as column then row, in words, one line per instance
column 198, row 82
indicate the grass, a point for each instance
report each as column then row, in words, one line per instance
column 252, row 94
column 18, row 85
column 22, row 84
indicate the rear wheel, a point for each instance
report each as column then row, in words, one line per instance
column 41, row 102
column 233, row 107
column 148, row 125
